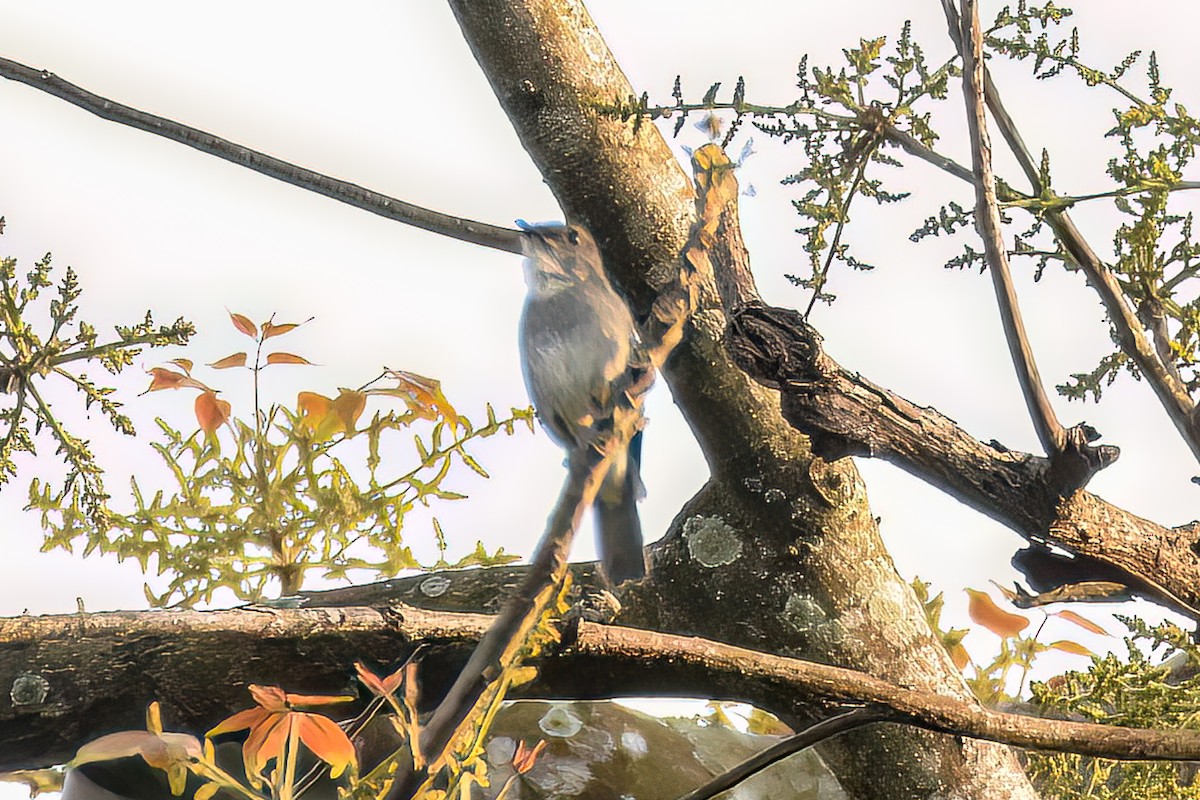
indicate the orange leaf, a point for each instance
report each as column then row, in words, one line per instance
column 163, row 378
column 286, row 358
column 312, row 700
column 349, row 407
column 327, row 741
column 211, row 412
column 985, row 612
column 380, row 686
column 525, row 757
column 1081, row 621
column 1074, row 648
column 235, row 360
column 958, row 654
column 184, row 363
column 243, row 324
column 266, row 741
column 240, row 721
column 422, row 395
column 272, row 698
column 270, row 329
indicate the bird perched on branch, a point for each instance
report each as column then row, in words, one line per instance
column 583, row 362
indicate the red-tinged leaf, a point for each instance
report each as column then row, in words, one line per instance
column 960, row 657
column 1081, row 621
column 984, row 611
column 211, row 412
column 315, row 700
column 265, row 742
column 270, row 329
column 240, row 721
column 348, row 407
column 422, row 395
column 163, row 378
column 327, row 741
column 235, row 360
column 1074, row 648
column 183, row 363
column 286, row 358
column 380, row 686
column 243, row 324
column 525, row 757
column 271, row 698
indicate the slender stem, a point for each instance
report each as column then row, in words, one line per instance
column 987, row 217
column 825, row 729
column 841, row 226
column 465, row 230
column 1129, row 334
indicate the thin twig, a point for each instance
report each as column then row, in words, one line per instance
column 1130, row 337
column 987, row 218
column 815, row 734
column 466, row 230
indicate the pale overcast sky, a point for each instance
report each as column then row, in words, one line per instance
column 387, row 95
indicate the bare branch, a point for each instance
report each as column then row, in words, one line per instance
column 466, row 230
column 604, row 660
column 1132, row 339
column 825, row 729
column 987, row 219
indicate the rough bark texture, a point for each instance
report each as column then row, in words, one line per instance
column 137, row 656
column 779, row 551
column 844, row 413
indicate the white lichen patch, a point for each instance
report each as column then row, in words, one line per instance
column 434, row 586
column 634, row 744
column 711, row 542
column 560, row 777
column 561, row 722
column 804, row 614
column 28, row 690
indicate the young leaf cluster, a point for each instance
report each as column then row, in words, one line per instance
column 840, row 118
column 1139, row 690
column 257, row 504
column 1154, row 251
column 293, row 749
column 35, row 356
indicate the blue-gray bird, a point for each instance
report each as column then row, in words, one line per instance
column 579, row 345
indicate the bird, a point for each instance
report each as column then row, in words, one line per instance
column 579, row 347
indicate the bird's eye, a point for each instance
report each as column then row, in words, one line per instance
column 573, row 236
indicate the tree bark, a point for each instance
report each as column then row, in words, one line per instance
column 779, row 551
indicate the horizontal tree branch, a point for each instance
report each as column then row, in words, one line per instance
column 57, row 703
column 466, row 230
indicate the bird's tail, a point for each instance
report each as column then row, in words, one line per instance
column 618, row 527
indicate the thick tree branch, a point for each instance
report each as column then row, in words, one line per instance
column 844, row 413
column 987, row 219
column 313, row 648
column 1171, row 394
column 465, row 230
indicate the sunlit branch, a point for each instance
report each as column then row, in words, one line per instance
column 343, row 191
column 987, row 217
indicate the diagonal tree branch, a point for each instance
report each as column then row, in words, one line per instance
column 987, row 217
column 844, row 413
column 352, row 194
column 1171, row 394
